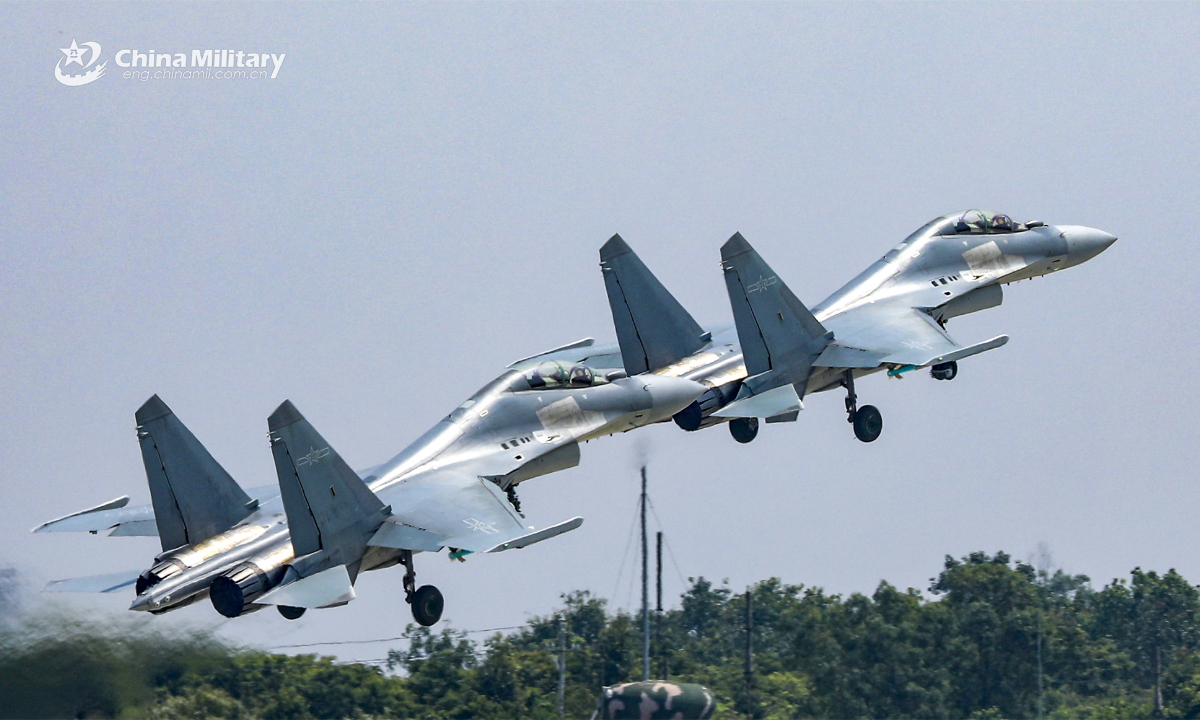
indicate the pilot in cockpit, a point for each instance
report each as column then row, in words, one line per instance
column 550, row 374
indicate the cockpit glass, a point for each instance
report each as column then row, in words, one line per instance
column 975, row 222
column 550, row 374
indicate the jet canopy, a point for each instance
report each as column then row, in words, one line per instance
column 981, row 221
column 971, row 222
column 551, row 374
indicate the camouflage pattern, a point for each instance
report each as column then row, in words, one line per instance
column 658, row 700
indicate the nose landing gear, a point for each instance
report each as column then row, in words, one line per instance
column 867, row 420
column 427, row 601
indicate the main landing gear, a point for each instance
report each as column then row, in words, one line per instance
column 743, row 429
column 867, row 420
column 945, row 371
column 427, row 601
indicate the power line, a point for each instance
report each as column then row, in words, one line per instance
column 624, row 555
column 388, row 639
column 667, row 542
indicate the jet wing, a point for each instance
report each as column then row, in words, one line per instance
column 893, row 333
column 110, row 582
column 585, row 352
column 457, row 508
column 118, row 520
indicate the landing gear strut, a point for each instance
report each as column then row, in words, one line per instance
column 743, row 429
column 427, row 601
column 867, row 420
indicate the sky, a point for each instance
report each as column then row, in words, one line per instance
column 418, row 198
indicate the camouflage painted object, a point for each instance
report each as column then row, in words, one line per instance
column 658, row 700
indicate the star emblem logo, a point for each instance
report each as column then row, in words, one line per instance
column 762, row 284
column 313, row 457
column 73, row 53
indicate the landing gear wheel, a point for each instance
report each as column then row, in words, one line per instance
column 743, row 429
column 945, row 371
column 868, row 423
column 427, row 605
column 291, row 613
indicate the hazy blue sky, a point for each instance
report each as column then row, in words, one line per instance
column 418, row 199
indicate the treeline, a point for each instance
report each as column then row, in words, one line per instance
column 990, row 638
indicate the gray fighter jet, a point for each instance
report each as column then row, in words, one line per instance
column 892, row 318
column 304, row 543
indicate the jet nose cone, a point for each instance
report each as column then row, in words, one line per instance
column 141, row 603
column 1085, row 243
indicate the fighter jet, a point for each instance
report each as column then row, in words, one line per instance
column 304, row 543
column 891, row 318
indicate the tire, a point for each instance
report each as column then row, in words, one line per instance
column 291, row 613
column 945, row 371
column 427, row 605
column 743, row 429
column 868, row 423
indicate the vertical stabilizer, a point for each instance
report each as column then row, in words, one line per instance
column 780, row 338
column 329, row 508
column 193, row 497
column 653, row 329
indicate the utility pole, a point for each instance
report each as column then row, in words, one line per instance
column 1041, row 693
column 749, row 640
column 658, row 614
column 751, row 705
column 645, row 588
column 562, row 666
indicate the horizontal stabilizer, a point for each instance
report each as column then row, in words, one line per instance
column 328, row 505
column 406, row 537
column 652, row 327
column 107, row 583
column 328, row 587
column 540, row 535
column 779, row 336
column 193, row 497
column 767, row 404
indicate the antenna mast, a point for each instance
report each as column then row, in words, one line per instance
column 645, row 588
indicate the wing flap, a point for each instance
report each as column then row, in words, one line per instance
column 136, row 528
column 841, row 356
column 406, row 537
column 459, row 509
